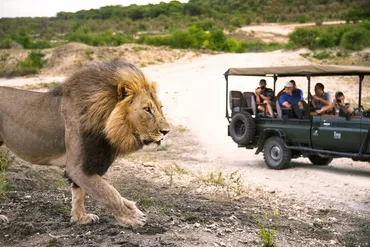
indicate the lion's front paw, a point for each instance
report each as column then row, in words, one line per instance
column 132, row 216
column 3, row 219
column 86, row 219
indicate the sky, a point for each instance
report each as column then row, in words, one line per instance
column 33, row 8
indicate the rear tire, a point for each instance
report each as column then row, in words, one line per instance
column 320, row 161
column 277, row 155
column 242, row 128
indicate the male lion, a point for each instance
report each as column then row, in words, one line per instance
column 101, row 111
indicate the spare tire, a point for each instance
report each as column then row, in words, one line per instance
column 242, row 128
column 320, row 161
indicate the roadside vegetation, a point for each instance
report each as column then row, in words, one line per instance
column 196, row 24
column 199, row 25
column 5, row 161
column 31, row 65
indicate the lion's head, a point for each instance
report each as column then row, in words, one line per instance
column 138, row 114
column 116, row 99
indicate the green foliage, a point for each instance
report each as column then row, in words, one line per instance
column 27, row 42
column 356, row 39
column 34, row 60
column 267, row 228
column 304, row 37
column 5, row 43
column 350, row 36
column 323, row 55
column 5, row 161
column 195, row 38
column 258, row 46
column 205, row 14
column 107, row 38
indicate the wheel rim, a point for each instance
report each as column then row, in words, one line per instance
column 240, row 128
column 275, row 153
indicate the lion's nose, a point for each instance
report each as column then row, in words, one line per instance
column 164, row 132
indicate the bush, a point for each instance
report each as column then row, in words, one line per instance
column 304, row 37
column 352, row 36
column 356, row 39
column 106, row 38
column 322, row 55
column 34, row 60
column 28, row 43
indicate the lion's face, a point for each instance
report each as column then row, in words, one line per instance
column 137, row 120
column 146, row 116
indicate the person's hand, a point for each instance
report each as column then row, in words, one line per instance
column 258, row 91
column 340, row 103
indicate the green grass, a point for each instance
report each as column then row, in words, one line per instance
column 268, row 228
column 5, row 161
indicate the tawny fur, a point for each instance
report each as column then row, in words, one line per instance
column 99, row 112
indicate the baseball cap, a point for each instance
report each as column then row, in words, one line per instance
column 288, row 84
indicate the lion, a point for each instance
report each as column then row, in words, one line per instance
column 101, row 111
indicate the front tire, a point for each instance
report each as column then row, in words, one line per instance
column 320, row 161
column 277, row 155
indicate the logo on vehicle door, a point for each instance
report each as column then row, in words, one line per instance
column 337, row 135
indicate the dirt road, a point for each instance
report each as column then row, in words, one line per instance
column 194, row 95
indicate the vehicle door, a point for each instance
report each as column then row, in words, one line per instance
column 365, row 127
column 336, row 133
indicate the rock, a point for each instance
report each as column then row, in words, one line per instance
column 332, row 220
column 333, row 242
column 228, row 230
column 233, row 217
column 318, row 223
column 196, row 225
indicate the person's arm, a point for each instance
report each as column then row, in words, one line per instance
column 325, row 101
column 283, row 101
column 269, row 95
column 327, row 108
column 287, row 105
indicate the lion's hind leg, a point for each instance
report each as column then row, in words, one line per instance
column 78, row 207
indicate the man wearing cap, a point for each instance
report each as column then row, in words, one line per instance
column 338, row 102
column 264, row 95
column 290, row 96
column 295, row 89
column 293, row 99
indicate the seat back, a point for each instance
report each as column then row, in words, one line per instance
column 278, row 110
column 251, row 99
column 236, row 99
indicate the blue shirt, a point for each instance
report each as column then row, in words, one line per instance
column 269, row 93
column 296, row 96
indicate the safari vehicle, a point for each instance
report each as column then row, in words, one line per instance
column 320, row 138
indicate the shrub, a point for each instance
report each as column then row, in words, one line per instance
column 34, row 60
column 322, row 55
column 356, row 39
column 304, row 37
column 28, row 43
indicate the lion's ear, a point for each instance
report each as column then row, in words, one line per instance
column 121, row 91
column 154, row 86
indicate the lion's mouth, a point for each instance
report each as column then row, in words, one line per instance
column 148, row 142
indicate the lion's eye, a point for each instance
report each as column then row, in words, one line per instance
column 147, row 109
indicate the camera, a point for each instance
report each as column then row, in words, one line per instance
column 339, row 101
